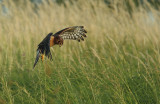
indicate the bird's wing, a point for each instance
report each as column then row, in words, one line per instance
column 37, row 58
column 44, row 46
column 73, row 33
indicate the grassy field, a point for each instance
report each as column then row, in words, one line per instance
column 118, row 63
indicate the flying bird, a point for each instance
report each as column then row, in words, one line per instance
column 72, row 33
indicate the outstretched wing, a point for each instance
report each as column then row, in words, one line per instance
column 73, row 33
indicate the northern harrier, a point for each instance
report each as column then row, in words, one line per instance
column 72, row 33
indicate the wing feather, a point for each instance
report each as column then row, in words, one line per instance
column 44, row 46
column 72, row 33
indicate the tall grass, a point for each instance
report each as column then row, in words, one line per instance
column 119, row 61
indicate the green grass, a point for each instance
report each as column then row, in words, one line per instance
column 119, row 61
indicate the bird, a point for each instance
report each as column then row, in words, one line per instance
column 72, row 33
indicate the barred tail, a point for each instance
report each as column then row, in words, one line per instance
column 37, row 58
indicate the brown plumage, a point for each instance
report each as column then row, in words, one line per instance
column 72, row 33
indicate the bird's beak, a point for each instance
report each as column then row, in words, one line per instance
column 60, row 44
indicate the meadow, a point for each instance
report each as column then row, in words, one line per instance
column 118, row 62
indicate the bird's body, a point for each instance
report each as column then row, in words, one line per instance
column 72, row 33
column 52, row 41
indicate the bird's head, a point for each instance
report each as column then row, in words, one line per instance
column 58, row 41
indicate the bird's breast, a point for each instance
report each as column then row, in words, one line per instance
column 51, row 41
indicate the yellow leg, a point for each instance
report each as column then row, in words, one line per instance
column 42, row 57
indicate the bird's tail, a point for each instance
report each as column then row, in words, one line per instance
column 37, row 58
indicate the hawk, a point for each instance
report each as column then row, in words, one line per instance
column 72, row 33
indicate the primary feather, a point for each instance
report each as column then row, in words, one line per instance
column 37, row 58
column 73, row 33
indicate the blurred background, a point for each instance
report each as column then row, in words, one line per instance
column 119, row 61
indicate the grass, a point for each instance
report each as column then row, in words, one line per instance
column 119, row 61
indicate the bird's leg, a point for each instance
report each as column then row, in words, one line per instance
column 42, row 57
